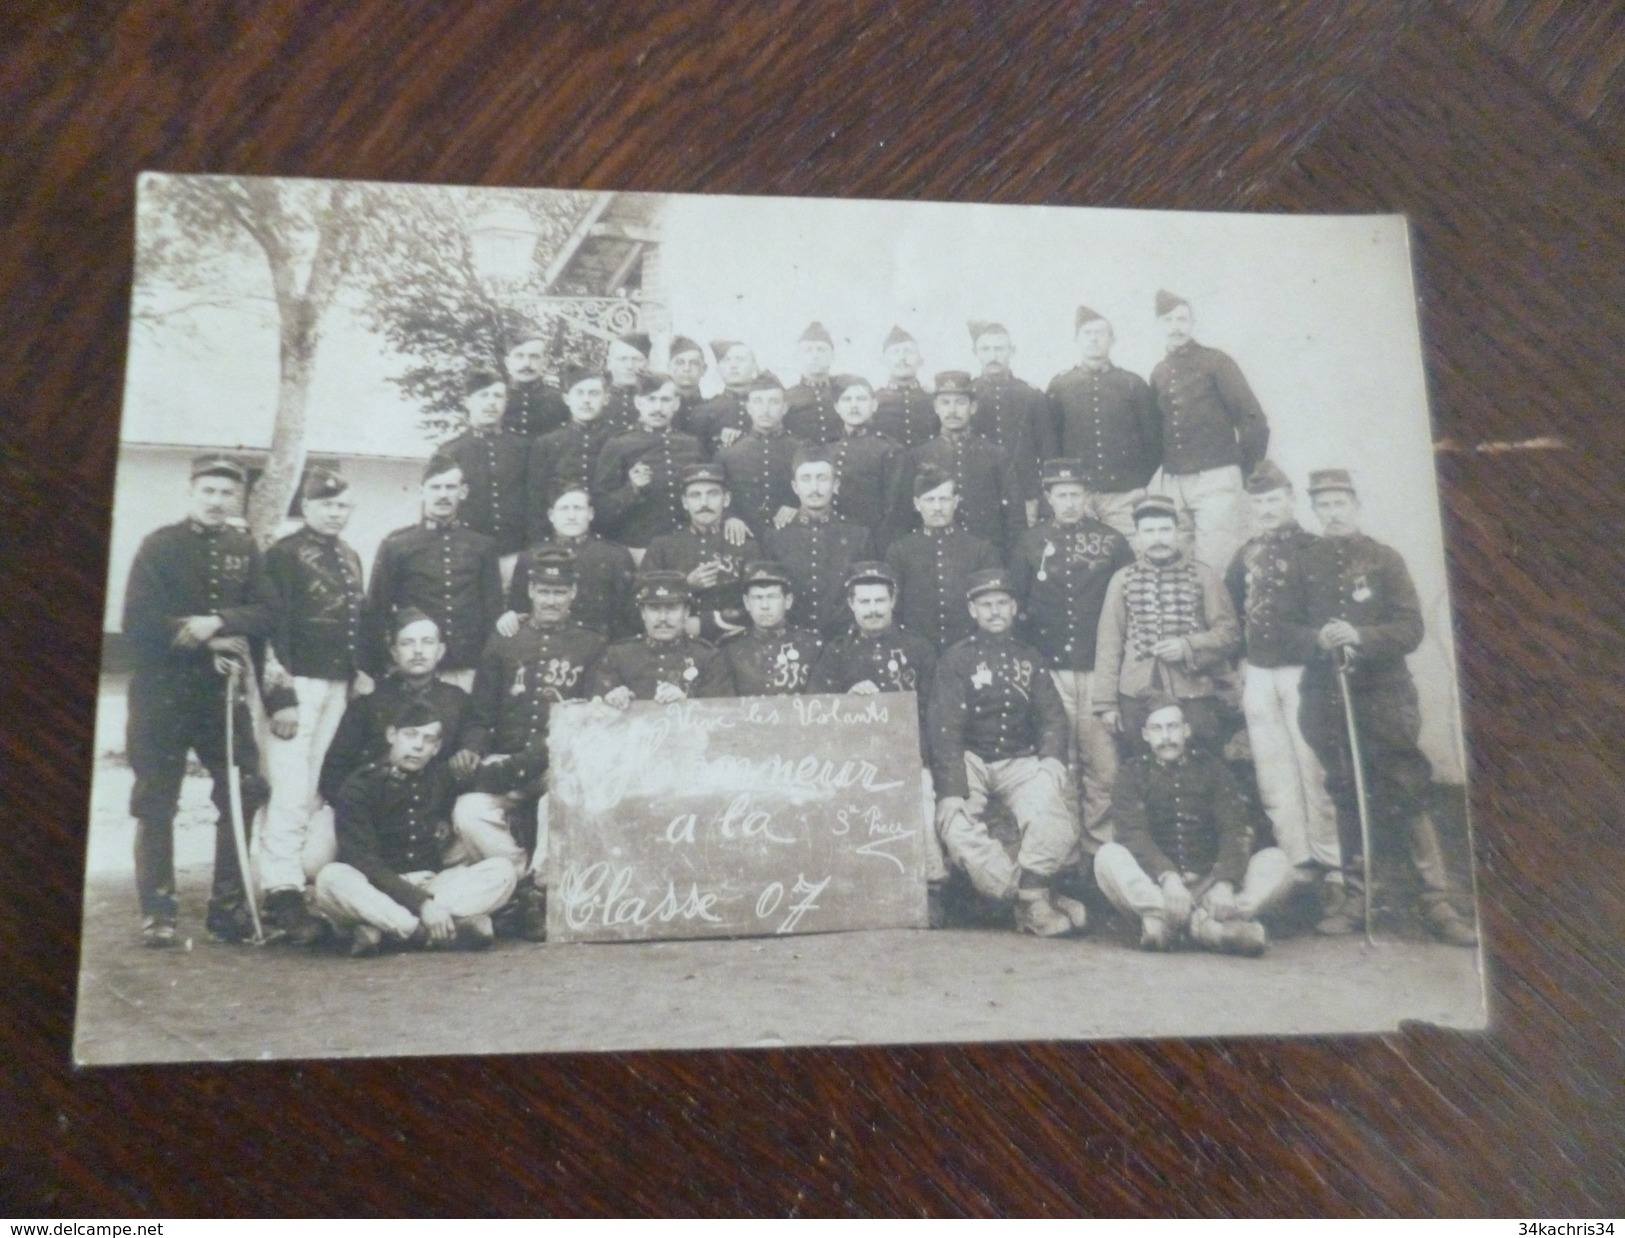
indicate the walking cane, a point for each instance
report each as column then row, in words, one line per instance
column 234, row 786
column 1345, row 659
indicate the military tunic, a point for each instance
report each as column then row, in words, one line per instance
column 1147, row 603
column 1185, row 817
column 1266, row 589
column 566, row 457
column 449, row 572
column 773, row 662
column 810, row 411
column 604, row 584
column 992, row 698
column 620, row 415
column 318, row 583
column 1107, row 419
column 520, row 678
column 177, row 698
column 906, row 413
column 990, row 499
column 391, row 821
column 687, row 549
column 534, row 409
column 496, row 470
column 932, row 568
column 723, row 411
column 818, row 554
column 893, row 660
column 636, row 517
column 362, row 735
column 1061, row 574
column 1015, row 417
column 866, row 466
column 1208, row 417
column 761, row 469
column 643, row 665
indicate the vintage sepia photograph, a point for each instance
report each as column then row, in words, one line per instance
column 551, row 620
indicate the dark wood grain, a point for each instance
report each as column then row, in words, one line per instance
column 1495, row 126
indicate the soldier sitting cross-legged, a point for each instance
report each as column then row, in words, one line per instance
column 399, row 875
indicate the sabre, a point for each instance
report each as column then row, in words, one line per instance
column 1345, row 659
column 234, row 787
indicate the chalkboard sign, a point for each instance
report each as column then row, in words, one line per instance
column 740, row 817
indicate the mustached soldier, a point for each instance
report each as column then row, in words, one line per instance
column 665, row 664
column 770, row 658
column 903, row 407
column 197, row 593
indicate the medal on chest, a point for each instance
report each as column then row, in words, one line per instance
column 1362, row 589
column 982, row 677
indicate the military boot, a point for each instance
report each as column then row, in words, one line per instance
column 1243, row 937
column 1035, row 914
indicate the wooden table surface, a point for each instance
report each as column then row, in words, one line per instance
column 1498, row 126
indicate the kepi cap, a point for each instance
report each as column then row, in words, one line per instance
column 218, row 466
column 870, row 572
column 553, row 565
column 662, row 587
column 1155, row 505
column 695, row 474
column 989, row 580
column 954, row 382
column 1331, row 479
column 1267, row 477
column 1062, row 469
column 765, row 572
column 322, row 483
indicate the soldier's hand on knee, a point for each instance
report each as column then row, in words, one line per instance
column 1220, row 901
column 619, row 697
column 1110, row 719
column 1176, row 898
column 361, row 685
column 508, row 625
column 666, row 693
column 285, row 722
column 867, row 687
column 437, row 920
column 949, row 807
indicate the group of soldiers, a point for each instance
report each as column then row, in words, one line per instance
column 1065, row 578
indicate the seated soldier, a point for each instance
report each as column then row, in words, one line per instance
column 520, row 678
column 415, row 651
column 932, row 566
column 998, row 728
column 770, row 658
column 665, row 664
column 1182, row 861
column 397, row 874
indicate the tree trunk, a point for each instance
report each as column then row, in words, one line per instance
column 274, row 491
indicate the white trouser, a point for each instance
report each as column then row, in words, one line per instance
column 294, row 765
column 1092, row 754
column 1049, row 833
column 483, row 823
column 347, row 898
column 321, row 842
column 463, row 679
column 1291, row 780
column 1212, row 511
column 1131, row 890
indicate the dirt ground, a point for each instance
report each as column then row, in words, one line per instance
column 208, row 1001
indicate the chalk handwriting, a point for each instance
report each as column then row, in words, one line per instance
column 599, row 892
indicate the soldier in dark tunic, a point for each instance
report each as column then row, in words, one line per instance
column 810, row 404
column 197, row 593
column 1183, row 862
column 990, row 502
column 721, row 419
column 665, row 664
column 1212, row 431
column 604, row 572
column 817, row 549
column 1265, row 586
column 496, row 469
column 686, row 365
column 866, row 462
column 997, row 728
column 398, row 873
column 770, row 658
column 760, row 465
column 904, row 412
column 319, row 586
column 1361, row 609
column 638, row 486
column 521, row 678
column 567, row 456
column 1061, row 569
column 710, row 553
column 441, row 567
column 1013, row 415
column 932, row 566
column 415, row 652
column 874, row 654
column 534, row 407
column 626, row 360
column 1106, row 420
